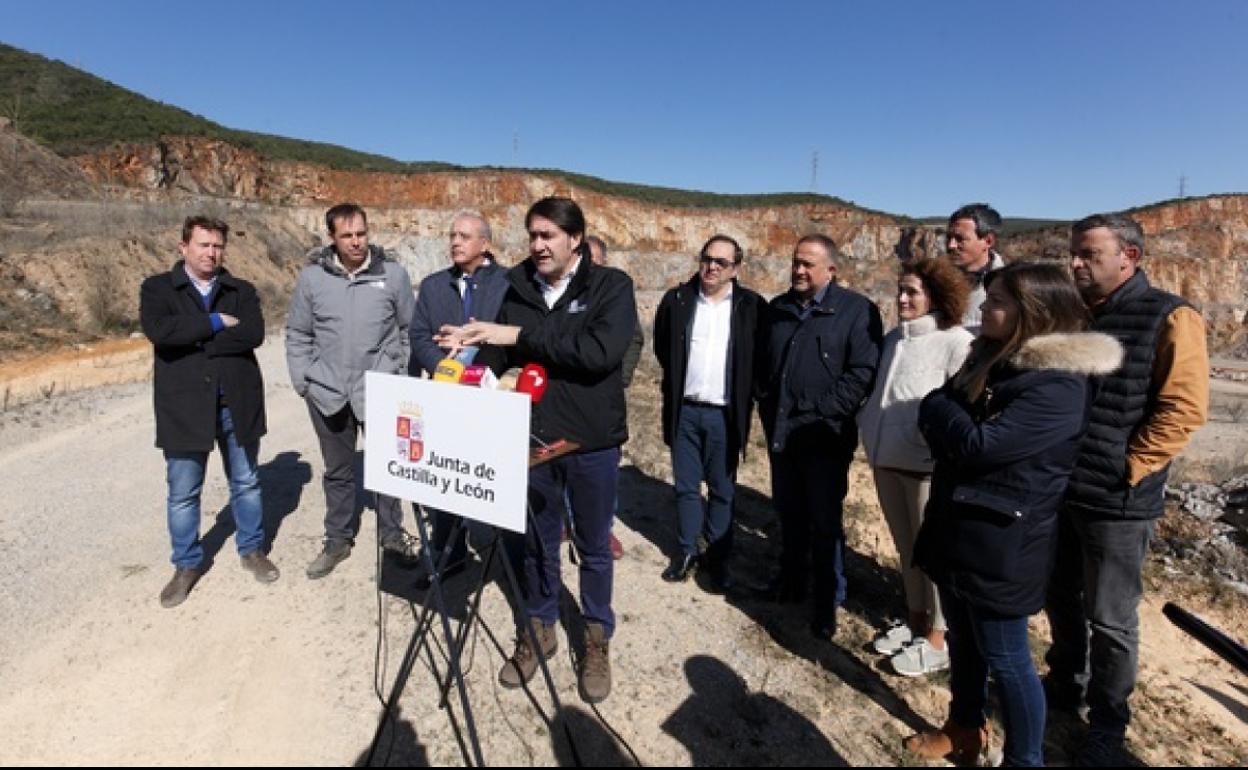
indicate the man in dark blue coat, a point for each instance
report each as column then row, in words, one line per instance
column 204, row 325
column 820, row 346
column 472, row 288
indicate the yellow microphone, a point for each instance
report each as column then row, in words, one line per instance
column 448, row 370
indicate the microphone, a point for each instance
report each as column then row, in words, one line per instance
column 448, row 370
column 479, row 376
column 533, row 381
column 467, row 355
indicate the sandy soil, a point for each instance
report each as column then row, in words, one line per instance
column 95, row 672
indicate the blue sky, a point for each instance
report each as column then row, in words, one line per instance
column 1045, row 109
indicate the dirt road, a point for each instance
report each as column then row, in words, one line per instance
column 95, row 672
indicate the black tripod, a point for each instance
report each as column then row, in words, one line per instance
column 434, row 610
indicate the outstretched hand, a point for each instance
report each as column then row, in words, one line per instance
column 456, row 338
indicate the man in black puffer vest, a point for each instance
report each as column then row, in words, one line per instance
column 1143, row 416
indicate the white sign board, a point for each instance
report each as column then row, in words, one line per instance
column 456, row 448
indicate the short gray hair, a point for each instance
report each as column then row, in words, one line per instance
column 470, row 214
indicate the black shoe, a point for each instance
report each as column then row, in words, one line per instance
column 401, row 544
column 718, row 578
column 681, row 568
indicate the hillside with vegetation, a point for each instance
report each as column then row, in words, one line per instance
column 74, row 113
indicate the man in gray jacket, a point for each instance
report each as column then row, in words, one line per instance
column 349, row 315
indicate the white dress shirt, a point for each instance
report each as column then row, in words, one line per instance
column 706, row 375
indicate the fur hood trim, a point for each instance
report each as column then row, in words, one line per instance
column 1083, row 353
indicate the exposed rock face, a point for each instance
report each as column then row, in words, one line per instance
column 1197, row 248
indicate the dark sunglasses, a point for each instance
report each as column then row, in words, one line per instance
column 721, row 263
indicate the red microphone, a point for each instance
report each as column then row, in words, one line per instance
column 479, row 376
column 533, row 381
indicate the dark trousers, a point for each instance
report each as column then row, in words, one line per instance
column 700, row 451
column 809, row 480
column 337, row 435
column 982, row 642
column 1093, row 602
column 440, row 537
column 589, row 479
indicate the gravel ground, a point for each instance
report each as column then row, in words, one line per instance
column 95, row 672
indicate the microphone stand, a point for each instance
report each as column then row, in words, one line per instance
column 435, row 605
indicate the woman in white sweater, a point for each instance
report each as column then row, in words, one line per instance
column 925, row 349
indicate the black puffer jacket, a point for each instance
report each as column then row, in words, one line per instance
column 1002, row 464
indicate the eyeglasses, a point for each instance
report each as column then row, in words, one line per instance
column 720, row 262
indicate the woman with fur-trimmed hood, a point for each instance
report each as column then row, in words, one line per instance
column 1005, row 432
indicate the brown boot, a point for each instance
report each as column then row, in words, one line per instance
column 519, row 669
column 179, row 586
column 595, row 680
column 962, row 745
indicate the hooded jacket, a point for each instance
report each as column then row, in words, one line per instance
column 340, row 327
column 1002, row 464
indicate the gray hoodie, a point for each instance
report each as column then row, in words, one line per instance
column 339, row 328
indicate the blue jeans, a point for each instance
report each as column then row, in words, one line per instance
column 700, row 451
column 589, row 479
column 981, row 642
column 184, row 472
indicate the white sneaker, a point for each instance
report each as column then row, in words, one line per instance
column 919, row 657
column 892, row 639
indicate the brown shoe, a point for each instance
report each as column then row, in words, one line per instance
column 519, row 669
column 333, row 552
column 595, row 680
column 179, row 586
column 963, row 745
column 259, row 565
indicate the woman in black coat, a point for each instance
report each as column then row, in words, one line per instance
column 1005, row 432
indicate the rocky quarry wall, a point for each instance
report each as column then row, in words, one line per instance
column 1197, row 247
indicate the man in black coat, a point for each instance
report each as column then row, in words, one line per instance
column 204, row 325
column 704, row 340
column 820, row 346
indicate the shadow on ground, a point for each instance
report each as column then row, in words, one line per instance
column 282, row 481
column 647, row 505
